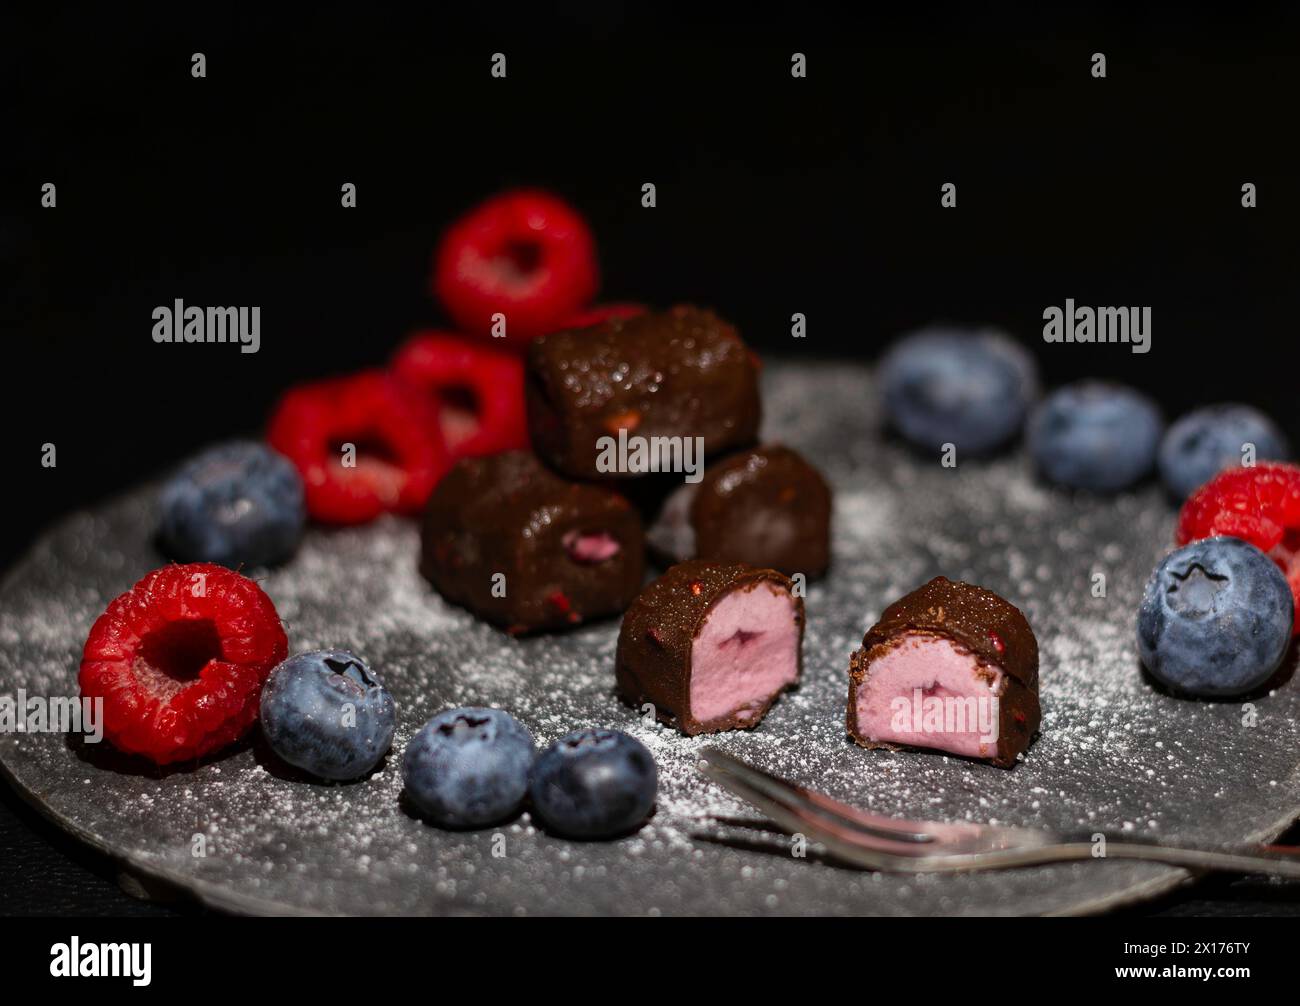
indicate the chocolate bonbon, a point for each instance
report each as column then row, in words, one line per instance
column 526, row 549
column 602, row 400
column 711, row 645
column 951, row 667
column 765, row 506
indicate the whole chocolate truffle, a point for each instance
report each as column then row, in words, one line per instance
column 951, row 667
column 566, row 552
column 711, row 645
column 765, row 506
column 681, row 373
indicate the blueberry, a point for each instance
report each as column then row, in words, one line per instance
column 236, row 504
column 467, row 768
column 1215, row 619
column 969, row 388
column 1095, row 436
column 594, row 784
column 1204, row 442
column 326, row 713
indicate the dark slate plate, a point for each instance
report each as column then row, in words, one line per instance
column 1115, row 754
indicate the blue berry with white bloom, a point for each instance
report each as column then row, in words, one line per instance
column 1215, row 619
column 326, row 713
column 969, row 388
column 468, row 767
column 594, row 784
column 1095, row 436
column 236, row 504
column 1207, row 440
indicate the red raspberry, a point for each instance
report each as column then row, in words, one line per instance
column 525, row 254
column 597, row 313
column 475, row 394
column 1259, row 504
column 180, row 660
column 397, row 462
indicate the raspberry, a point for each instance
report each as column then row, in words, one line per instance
column 525, row 254
column 396, row 463
column 475, row 394
column 1260, row 505
column 598, row 313
column 180, row 660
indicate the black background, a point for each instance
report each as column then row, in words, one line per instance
column 775, row 195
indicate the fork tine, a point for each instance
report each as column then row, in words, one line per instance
column 855, row 847
column 789, row 818
column 723, row 767
column 855, row 838
column 754, row 824
column 790, row 807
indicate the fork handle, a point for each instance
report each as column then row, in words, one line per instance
column 1229, row 860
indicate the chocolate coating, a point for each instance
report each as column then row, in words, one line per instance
column 653, row 660
column 507, row 513
column 765, row 506
column 977, row 621
column 677, row 373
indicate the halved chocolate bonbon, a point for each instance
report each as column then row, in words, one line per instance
column 951, row 667
column 711, row 645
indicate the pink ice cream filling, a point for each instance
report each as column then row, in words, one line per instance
column 745, row 653
column 927, row 692
column 590, row 546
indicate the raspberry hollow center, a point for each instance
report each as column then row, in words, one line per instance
column 459, row 410
column 370, row 448
column 519, row 259
column 171, row 658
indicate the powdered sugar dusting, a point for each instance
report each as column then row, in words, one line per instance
column 1115, row 754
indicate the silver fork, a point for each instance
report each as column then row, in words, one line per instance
column 896, row 845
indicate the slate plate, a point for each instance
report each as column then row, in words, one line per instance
column 1115, row 754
